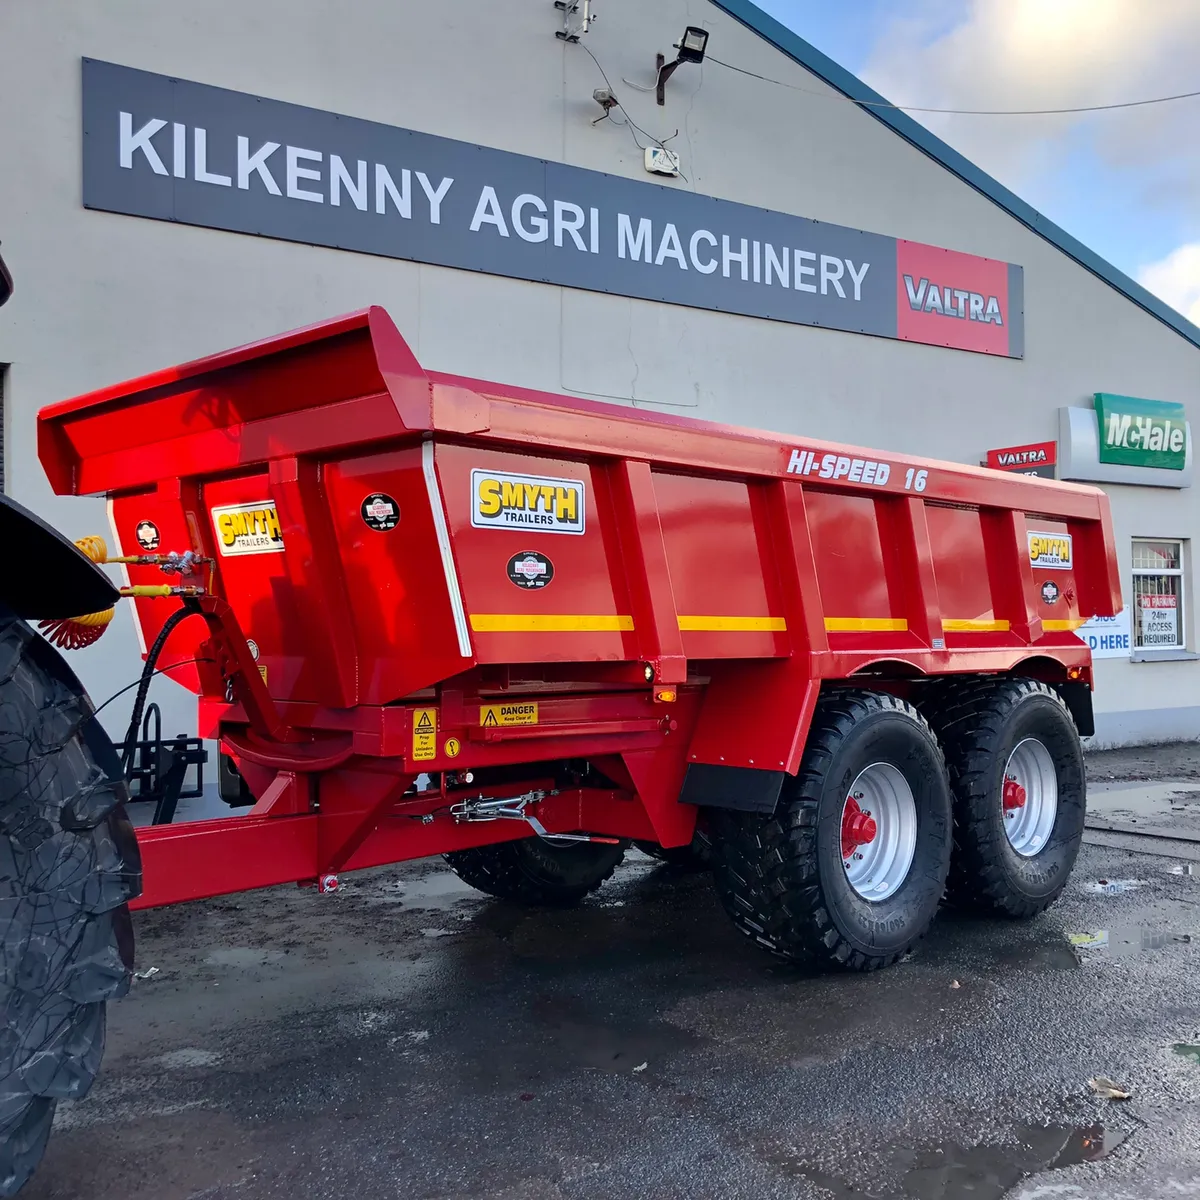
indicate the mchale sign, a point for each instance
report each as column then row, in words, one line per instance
column 173, row 150
column 1037, row 458
column 1141, row 433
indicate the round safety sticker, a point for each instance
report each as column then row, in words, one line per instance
column 380, row 512
column 452, row 747
column 252, row 646
column 147, row 535
column 529, row 569
column 1049, row 591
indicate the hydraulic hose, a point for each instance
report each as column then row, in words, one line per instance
column 139, row 702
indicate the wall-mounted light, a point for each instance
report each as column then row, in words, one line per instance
column 691, row 49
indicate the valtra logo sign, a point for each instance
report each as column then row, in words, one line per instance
column 1034, row 458
column 948, row 298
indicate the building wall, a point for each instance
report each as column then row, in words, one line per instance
column 101, row 297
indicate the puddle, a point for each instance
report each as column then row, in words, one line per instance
column 1126, row 941
column 951, row 1172
column 441, row 891
column 243, row 956
column 1114, row 887
column 1188, row 1051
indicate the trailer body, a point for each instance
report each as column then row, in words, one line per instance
column 428, row 589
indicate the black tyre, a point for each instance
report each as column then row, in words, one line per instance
column 69, row 863
column 1020, row 794
column 871, row 770
column 534, row 871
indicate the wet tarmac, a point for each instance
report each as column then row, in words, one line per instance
column 408, row 1037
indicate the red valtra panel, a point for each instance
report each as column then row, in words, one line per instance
column 946, row 298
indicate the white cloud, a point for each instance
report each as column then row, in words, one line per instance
column 1176, row 279
column 1052, row 54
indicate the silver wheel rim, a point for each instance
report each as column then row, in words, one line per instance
column 879, row 831
column 1029, row 796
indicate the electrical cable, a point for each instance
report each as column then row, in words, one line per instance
column 161, row 670
column 962, row 112
column 660, row 143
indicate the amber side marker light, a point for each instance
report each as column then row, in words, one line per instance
column 665, row 695
column 1074, row 672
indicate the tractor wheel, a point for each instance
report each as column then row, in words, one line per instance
column 69, row 863
column 537, row 872
column 850, row 868
column 1020, row 795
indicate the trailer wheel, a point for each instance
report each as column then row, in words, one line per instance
column 534, row 871
column 69, row 863
column 1020, row 793
column 850, row 868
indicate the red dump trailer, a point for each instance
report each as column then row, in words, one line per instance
column 426, row 614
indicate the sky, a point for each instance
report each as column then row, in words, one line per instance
column 1126, row 183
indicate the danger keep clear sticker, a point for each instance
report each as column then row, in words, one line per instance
column 494, row 715
column 424, row 734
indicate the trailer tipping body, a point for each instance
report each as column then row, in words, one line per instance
column 430, row 591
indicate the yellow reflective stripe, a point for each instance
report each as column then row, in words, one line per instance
column 975, row 626
column 550, row 623
column 1068, row 626
column 732, row 624
column 865, row 624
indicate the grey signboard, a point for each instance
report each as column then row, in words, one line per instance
column 173, row 150
column 1079, row 455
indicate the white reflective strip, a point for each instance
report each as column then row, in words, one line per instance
column 119, row 553
column 443, row 537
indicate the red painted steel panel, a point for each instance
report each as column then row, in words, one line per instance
column 850, row 561
column 964, row 590
column 726, row 589
column 583, row 612
column 396, row 582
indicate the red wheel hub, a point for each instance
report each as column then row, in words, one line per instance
column 1014, row 795
column 858, row 828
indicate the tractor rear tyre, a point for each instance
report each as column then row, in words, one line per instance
column 1020, row 793
column 536, row 872
column 850, row 868
column 69, row 863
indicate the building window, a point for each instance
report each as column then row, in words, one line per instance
column 1158, row 597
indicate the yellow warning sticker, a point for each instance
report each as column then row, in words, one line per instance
column 493, row 715
column 424, row 734
column 262, row 670
column 452, row 747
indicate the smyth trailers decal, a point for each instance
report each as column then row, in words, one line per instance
column 526, row 502
column 1050, row 550
column 248, row 528
column 173, row 150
